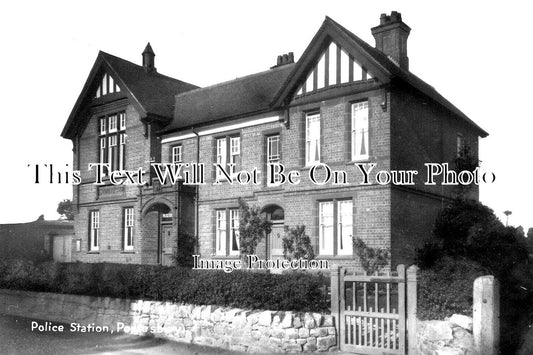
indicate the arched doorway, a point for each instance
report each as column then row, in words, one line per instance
column 160, row 241
column 276, row 215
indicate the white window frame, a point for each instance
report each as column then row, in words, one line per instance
column 103, row 125
column 121, row 151
column 234, row 232
column 359, row 132
column 228, row 151
column 221, row 234
column 326, row 227
column 113, row 139
column 235, row 152
column 274, row 157
column 344, row 227
column 312, row 138
column 177, row 154
column 221, row 156
column 336, row 227
column 128, row 228
column 94, row 234
column 122, row 120
column 112, row 121
column 227, row 232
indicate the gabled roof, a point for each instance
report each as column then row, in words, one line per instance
column 151, row 93
column 381, row 66
column 243, row 96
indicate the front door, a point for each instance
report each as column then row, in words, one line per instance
column 276, row 240
column 167, row 241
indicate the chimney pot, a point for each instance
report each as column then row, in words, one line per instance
column 279, row 60
column 291, row 57
column 285, row 59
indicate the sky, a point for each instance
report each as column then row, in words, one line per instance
column 477, row 54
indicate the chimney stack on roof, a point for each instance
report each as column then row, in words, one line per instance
column 391, row 38
column 284, row 59
column 149, row 59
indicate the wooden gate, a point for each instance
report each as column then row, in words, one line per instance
column 371, row 311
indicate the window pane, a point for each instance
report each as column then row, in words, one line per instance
column 345, row 227
column 326, row 228
column 176, row 154
column 313, row 139
column 122, row 117
column 221, row 233
column 102, row 125
column 273, row 149
column 360, row 145
column 234, row 226
column 112, row 123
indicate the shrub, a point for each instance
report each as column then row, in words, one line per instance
column 372, row 259
column 293, row 291
column 297, row 244
column 447, row 288
column 253, row 227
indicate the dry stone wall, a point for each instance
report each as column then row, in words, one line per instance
column 231, row 328
column 448, row 337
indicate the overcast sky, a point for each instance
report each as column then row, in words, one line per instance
column 476, row 53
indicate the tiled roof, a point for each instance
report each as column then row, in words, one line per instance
column 405, row 75
column 247, row 95
column 151, row 92
column 154, row 92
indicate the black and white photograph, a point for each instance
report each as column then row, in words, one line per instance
column 231, row 177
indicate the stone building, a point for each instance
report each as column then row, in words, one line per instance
column 342, row 103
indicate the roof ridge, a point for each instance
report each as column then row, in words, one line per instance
column 155, row 74
column 235, row 80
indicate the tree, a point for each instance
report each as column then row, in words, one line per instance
column 253, row 227
column 66, row 209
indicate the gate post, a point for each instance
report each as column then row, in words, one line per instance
column 486, row 326
column 335, row 301
column 411, row 309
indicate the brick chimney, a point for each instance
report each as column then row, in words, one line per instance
column 391, row 38
column 284, row 59
column 149, row 59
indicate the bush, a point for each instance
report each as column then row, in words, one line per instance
column 292, row 292
column 297, row 244
column 447, row 288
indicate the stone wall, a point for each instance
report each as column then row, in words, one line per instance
column 448, row 337
column 237, row 329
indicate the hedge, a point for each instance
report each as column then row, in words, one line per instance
column 447, row 288
column 296, row 291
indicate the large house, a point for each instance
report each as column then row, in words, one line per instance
column 342, row 103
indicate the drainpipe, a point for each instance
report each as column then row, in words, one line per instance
column 196, row 207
